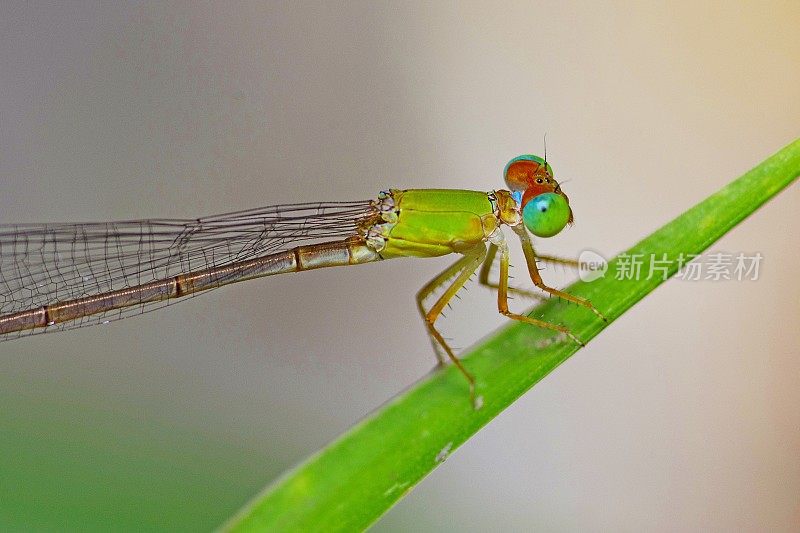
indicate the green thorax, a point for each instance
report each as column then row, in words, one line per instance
column 434, row 222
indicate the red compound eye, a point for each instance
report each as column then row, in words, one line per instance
column 525, row 171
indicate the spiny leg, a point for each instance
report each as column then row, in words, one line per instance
column 574, row 263
column 502, row 300
column 530, row 259
column 467, row 266
column 483, row 277
column 441, row 279
column 486, row 269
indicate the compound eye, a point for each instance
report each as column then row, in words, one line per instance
column 520, row 172
column 546, row 215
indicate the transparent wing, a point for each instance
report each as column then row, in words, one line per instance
column 43, row 264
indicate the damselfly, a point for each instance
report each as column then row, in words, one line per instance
column 63, row 276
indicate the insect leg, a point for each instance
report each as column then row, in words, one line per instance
column 530, row 259
column 466, row 266
column 502, row 300
column 483, row 277
column 441, row 279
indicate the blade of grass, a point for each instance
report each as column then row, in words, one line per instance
column 351, row 482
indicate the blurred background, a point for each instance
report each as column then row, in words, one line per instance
column 682, row 415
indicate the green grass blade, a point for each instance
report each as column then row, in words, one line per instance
column 354, row 480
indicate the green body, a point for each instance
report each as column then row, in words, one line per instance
column 434, row 222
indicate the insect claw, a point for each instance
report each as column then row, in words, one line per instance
column 477, row 401
column 576, row 339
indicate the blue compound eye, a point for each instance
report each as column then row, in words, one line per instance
column 546, row 215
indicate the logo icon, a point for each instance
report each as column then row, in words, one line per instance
column 592, row 266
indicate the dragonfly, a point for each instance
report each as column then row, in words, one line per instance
column 60, row 276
